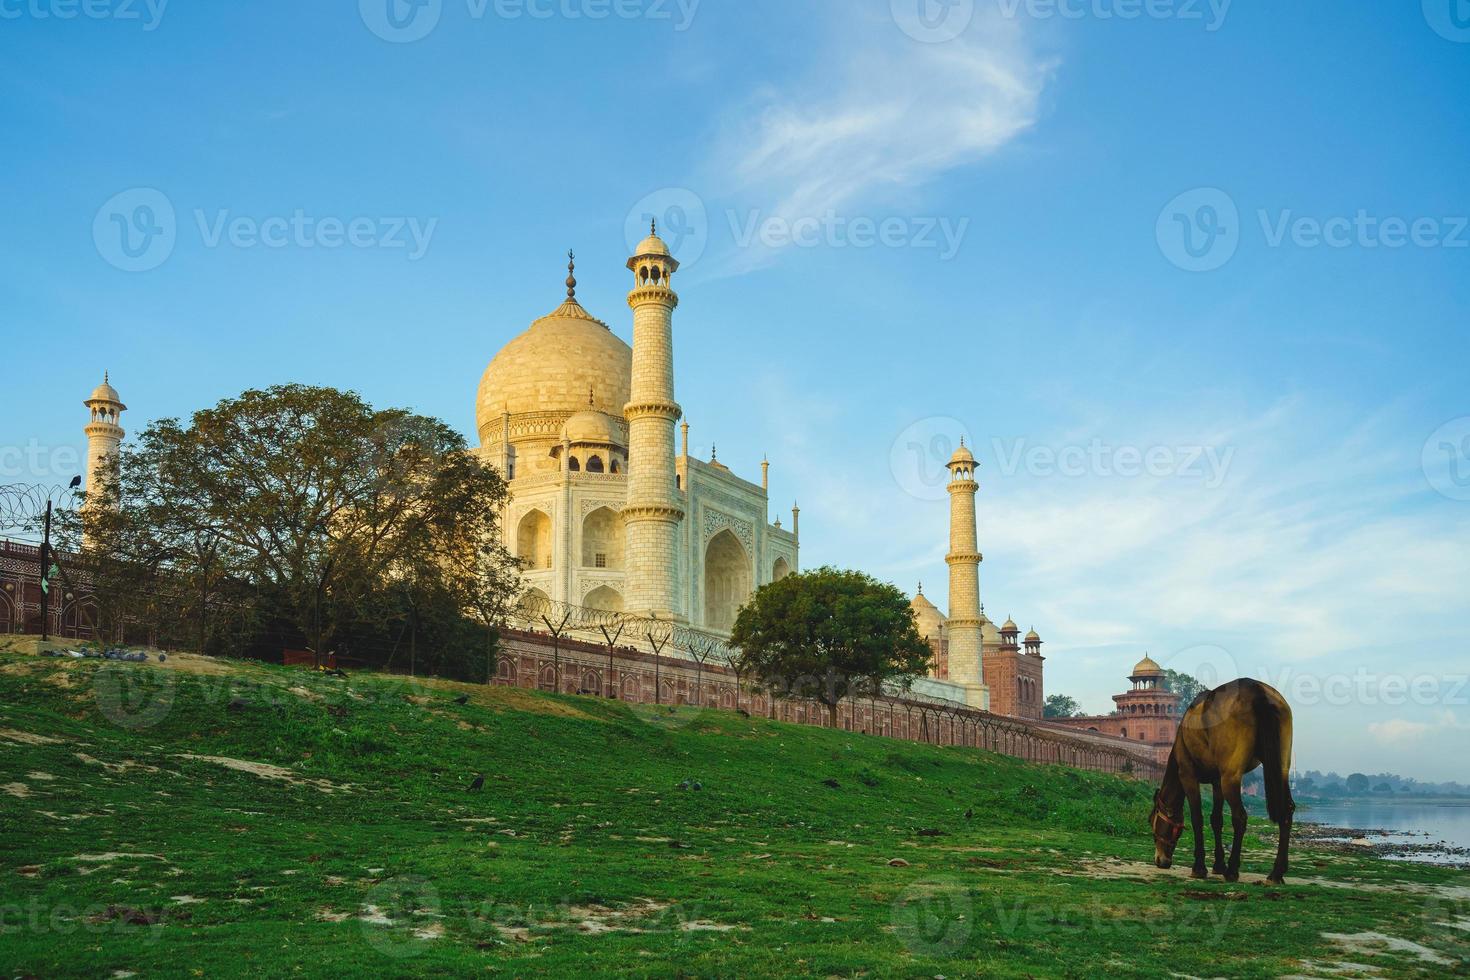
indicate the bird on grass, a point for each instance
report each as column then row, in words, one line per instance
column 462, row 699
column 970, row 814
column 478, row 784
column 834, row 784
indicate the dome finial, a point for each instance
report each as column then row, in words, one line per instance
column 653, row 227
column 714, row 453
column 571, row 274
column 105, row 378
column 921, row 588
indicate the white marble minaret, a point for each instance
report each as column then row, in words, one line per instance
column 104, row 433
column 964, row 581
column 653, row 511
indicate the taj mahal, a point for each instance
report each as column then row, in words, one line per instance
column 609, row 512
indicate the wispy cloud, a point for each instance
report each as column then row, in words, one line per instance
column 873, row 116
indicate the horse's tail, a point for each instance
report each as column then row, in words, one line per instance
column 1273, row 747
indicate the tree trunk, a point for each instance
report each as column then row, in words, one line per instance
column 832, row 713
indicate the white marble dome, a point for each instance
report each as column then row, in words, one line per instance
column 554, row 367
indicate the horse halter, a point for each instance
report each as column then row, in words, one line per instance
column 1176, row 827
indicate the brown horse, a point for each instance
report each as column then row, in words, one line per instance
column 1225, row 734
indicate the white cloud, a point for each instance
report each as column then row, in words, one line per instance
column 875, row 115
column 1398, row 730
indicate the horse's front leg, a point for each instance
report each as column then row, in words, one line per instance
column 1237, row 823
column 1217, row 825
column 1197, row 821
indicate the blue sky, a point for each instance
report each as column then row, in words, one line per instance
column 1092, row 242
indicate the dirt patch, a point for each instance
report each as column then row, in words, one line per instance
column 18, row 790
column 28, row 738
column 267, row 771
column 118, row 767
column 517, row 699
column 1376, row 943
column 41, row 777
column 111, row 856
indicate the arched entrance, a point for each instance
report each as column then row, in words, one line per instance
column 602, row 539
column 780, row 570
column 726, row 580
column 604, row 598
column 533, row 540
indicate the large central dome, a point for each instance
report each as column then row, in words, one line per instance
column 553, row 368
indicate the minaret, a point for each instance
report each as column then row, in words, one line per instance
column 964, row 580
column 104, row 433
column 104, row 436
column 653, row 512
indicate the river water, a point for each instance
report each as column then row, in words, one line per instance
column 1407, row 822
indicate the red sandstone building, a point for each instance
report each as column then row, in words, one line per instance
column 1147, row 712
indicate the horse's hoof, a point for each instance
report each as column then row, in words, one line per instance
column 1275, row 880
column 1199, row 873
column 1220, row 869
column 1232, row 876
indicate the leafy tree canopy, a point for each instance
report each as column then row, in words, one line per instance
column 828, row 634
column 1061, row 706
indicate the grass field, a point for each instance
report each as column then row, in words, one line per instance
column 200, row 818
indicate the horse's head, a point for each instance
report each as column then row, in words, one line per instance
column 1167, row 826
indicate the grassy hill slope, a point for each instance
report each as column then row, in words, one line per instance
column 204, row 818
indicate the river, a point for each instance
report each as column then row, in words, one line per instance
column 1411, row 823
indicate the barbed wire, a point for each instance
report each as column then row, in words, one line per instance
column 23, row 505
column 540, row 611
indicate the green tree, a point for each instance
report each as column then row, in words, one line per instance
column 828, row 634
column 1357, row 783
column 331, row 516
column 1187, row 687
column 1061, row 706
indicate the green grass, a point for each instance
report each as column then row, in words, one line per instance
column 582, row 855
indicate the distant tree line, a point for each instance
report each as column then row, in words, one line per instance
column 301, row 517
column 1313, row 782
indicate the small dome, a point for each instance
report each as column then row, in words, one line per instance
column 962, row 455
column 1010, row 626
column 930, row 620
column 652, row 245
column 105, row 392
column 1033, row 637
column 594, row 428
column 1147, row 666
